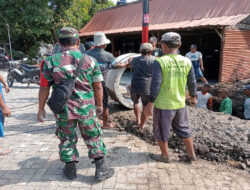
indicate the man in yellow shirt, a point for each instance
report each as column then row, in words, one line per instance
column 170, row 75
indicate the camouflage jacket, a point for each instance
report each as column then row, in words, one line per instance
column 60, row 66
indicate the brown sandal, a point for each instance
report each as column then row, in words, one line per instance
column 159, row 158
column 192, row 157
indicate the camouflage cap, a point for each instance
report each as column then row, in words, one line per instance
column 68, row 32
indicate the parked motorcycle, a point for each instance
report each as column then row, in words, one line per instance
column 23, row 73
column 4, row 61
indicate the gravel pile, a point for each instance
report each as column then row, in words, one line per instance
column 217, row 137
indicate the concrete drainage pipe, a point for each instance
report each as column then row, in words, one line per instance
column 117, row 84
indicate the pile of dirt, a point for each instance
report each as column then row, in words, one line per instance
column 217, row 137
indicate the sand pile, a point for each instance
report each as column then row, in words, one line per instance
column 217, row 137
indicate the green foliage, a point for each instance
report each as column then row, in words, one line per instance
column 99, row 5
column 78, row 14
column 33, row 51
column 81, row 11
column 31, row 21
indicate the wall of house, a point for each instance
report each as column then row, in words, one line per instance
column 235, row 63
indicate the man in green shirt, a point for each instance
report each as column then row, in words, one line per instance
column 226, row 104
column 170, row 75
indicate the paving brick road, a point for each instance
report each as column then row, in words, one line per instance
column 34, row 162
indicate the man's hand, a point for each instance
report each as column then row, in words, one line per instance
column 122, row 65
column 6, row 111
column 201, row 63
column 193, row 101
column 99, row 110
column 41, row 115
column 150, row 108
column 119, row 65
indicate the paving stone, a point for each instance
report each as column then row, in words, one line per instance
column 137, row 180
column 3, row 181
column 39, row 174
column 142, row 187
column 171, row 187
column 125, row 186
column 97, row 186
column 109, row 183
column 23, row 188
column 34, row 161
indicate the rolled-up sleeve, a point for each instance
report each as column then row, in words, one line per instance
column 47, row 70
column 96, row 74
column 156, row 81
column 43, row 81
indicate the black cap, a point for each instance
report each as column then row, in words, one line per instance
column 89, row 44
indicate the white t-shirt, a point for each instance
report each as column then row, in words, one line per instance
column 247, row 109
column 202, row 100
column 194, row 56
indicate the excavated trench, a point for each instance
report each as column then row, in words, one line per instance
column 217, row 137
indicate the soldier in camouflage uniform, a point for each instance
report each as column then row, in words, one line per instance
column 80, row 109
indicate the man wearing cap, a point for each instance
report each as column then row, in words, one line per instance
column 170, row 75
column 141, row 80
column 196, row 58
column 157, row 52
column 80, row 109
column 105, row 61
column 89, row 45
column 247, row 102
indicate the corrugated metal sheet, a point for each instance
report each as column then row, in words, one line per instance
column 169, row 14
column 236, row 56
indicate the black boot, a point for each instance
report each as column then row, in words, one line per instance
column 102, row 172
column 70, row 170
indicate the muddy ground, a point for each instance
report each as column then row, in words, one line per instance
column 217, row 137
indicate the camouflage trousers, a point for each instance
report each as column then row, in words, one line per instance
column 91, row 133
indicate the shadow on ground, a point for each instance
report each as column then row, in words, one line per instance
column 36, row 169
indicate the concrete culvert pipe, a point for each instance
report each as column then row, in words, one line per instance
column 117, row 82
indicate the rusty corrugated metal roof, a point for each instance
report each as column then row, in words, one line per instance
column 169, row 14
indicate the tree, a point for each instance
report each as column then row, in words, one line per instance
column 31, row 21
column 81, row 11
column 99, row 5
